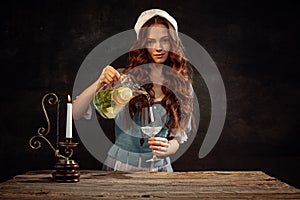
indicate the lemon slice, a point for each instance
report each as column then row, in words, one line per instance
column 125, row 93
column 122, row 95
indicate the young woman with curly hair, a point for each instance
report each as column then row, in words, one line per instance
column 158, row 64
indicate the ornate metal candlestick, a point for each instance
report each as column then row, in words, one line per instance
column 65, row 168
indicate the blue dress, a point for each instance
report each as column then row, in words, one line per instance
column 127, row 154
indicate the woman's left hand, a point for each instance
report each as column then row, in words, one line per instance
column 159, row 146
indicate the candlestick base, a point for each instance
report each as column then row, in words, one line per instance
column 66, row 171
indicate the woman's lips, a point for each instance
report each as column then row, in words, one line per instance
column 158, row 55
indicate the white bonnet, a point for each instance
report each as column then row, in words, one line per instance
column 148, row 14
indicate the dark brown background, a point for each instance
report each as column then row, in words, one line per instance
column 254, row 44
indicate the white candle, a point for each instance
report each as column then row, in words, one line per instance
column 69, row 119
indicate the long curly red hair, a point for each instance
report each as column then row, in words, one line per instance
column 177, row 100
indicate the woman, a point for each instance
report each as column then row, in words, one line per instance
column 157, row 62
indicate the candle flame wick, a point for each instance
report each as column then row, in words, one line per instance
column 69, row 98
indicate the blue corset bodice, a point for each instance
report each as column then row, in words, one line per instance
column 127, row 147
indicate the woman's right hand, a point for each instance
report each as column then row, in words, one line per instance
column 108, row 75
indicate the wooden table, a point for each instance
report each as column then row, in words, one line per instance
column 147, row 185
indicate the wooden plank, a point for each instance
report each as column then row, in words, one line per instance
column 143, row 185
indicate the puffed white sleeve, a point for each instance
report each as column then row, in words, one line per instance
column 88, row 114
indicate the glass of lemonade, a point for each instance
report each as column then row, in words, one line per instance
column 151, row 124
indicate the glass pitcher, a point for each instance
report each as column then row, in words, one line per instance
column 111, row 98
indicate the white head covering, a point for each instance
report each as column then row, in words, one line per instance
column 148, row 14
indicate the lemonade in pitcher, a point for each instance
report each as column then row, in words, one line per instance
column 110, row 99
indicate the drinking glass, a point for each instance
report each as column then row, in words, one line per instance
column 151, row 124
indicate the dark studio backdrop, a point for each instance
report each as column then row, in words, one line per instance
column 254, row 44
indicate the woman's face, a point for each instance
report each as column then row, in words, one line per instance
column 158, row 43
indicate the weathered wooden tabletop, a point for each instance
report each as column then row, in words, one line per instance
column 147, row 185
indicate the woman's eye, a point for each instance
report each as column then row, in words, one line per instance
column 150, row 43
column 166, row 41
